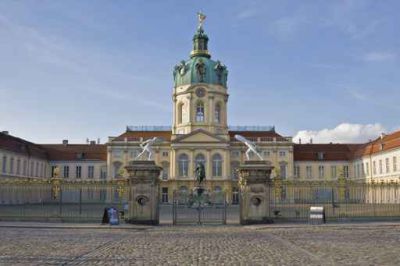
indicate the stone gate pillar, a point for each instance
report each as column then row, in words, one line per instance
column 144, row 191
column 255, row 183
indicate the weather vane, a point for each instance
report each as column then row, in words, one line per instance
column 201, row 18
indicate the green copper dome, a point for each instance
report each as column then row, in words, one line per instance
column 200, row 68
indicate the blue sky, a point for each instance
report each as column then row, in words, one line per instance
column 86, row 69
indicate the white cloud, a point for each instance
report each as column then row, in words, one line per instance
column 343, row 133
column 379, row 56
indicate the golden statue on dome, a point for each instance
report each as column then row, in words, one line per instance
column 201, row 18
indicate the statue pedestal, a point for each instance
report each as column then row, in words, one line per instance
column 144, row 192
column 255, row 183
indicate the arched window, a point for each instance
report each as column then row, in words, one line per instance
column 217, row 165
column 200, row 159
column 183, row 164
column 200, row 112
column 217, row 113
column 180, row 110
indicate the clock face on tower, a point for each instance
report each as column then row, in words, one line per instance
column 200, row 92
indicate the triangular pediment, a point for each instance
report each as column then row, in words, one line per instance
column 199, row 135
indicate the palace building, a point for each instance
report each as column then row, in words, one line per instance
column 200, row 133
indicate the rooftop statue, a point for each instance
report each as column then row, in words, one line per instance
column 201, row 18
column 146, row 147
column 250, row 145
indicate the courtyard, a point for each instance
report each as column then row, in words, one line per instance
column 291, row 244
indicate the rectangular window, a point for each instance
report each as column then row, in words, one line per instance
column 165, row 154
column 374, row 167
column 321, row 171
column 164, row 195
column 11, row 165
column 333, row 171
column 346, row 171
column 387, row 165
column 18, row 166
column 380, row 167
column 37, row 169
column 309, row 171
column 53, row 169
column 78, row 173
column 90, row 171
column 235, row 153
column 32, row 168
column 66, row 171
column 282, row 153
column 103, row 173
column 283, row 170
column 267, row 153
column 367, row 168
column 297, row 171
column 362, row 170
column 394, row 164
column 25, row 168
column 4, row 167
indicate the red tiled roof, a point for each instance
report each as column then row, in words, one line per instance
column 388, row 142
column 331, row 152
column 17, row 145
column 73, row 152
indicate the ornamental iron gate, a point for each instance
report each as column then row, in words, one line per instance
column 191, row 208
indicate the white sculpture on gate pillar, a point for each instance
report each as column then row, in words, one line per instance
column 146, row 147
column 251, row 147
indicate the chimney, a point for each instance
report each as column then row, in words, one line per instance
column 92, row 142
column 65, row 142
column 310, row 140
column 98, row 140
column 5, row 132
column 299, row 140
column 87, row 141
column 382, row 135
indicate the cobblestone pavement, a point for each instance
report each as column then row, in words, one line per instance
column 203, row 245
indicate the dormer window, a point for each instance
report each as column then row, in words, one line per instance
column 80, row 156
column 382, row 146
column 320, row 155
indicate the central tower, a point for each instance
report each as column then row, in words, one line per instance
column 200, row 93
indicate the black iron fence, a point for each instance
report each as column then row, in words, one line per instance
column 41, row 200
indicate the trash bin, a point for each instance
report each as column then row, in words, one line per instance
column 317, row 215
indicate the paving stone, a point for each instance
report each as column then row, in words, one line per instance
column 202, row 245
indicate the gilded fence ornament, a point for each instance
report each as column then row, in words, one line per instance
column 121, row 188
column 55, row 183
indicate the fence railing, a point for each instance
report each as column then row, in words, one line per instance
column 42, row 200
column 342, row 200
